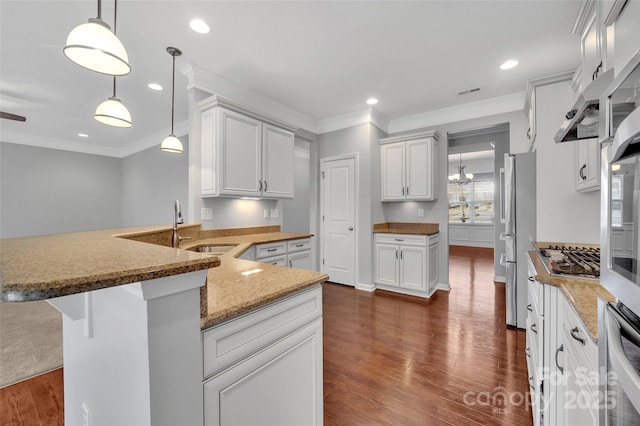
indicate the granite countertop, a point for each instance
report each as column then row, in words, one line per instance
column 229, row 293
column 581, row 293
column 43, row 267
column 36, row 268
column 406, row 228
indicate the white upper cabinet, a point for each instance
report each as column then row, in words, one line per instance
column 587, row 165
column 277, row 162
column 410, row 167
column 244, row 154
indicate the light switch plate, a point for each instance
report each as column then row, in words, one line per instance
column 206, row 214
column 420, row 212
column 275, row 213
column 266, row 213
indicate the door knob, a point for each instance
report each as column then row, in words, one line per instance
column 351, row 228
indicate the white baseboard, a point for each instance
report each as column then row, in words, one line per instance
column 365, row 287
column 443, row 286
column 500, row 279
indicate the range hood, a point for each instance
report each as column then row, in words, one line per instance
column 585, row 112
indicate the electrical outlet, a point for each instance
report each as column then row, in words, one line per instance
column 420, row 212
column 206, row 214
column 86, row 419
column 266, row 213
column 275, row 213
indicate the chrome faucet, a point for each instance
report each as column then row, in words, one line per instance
column 177, row 220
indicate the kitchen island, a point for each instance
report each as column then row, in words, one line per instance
column 133, row 340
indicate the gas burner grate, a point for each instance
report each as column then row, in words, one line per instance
column 570, row 260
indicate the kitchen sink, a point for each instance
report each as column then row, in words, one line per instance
column 211, row 249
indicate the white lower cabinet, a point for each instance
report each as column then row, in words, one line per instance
column 293, row 253
column 265, row 367
column 406, row 263
column 561, row 360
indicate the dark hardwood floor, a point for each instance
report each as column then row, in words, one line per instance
column 400, row 360
column 388, row 359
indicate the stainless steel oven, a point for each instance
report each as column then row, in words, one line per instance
column 619, row 325
column 620, row 366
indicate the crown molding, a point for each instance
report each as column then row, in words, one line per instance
column 484, row 108
column 200, row 78
column 411, row 136
column 85, row 147
column 352, row 119
column 585, row 17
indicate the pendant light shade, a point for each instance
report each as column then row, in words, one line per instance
column 113, row 113
column 95, row 47
column 171, row 143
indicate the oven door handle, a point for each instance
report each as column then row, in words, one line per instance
column 627, row 376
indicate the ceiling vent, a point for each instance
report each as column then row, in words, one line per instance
column 467, row 92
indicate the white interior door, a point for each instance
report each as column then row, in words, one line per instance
column 338, row 220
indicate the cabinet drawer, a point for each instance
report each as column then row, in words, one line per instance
column 402, row 239
column 275, row 260
column 271, row 249
column 578, row 339
column 233, row 340
column 299, row 245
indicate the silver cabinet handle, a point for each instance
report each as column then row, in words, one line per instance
column 271, row 250
column 403, row 191
column 399, row 239
column 400, row 254
column 527, row 351
column 531, row 279
column 290, row 263
column 265, row 186
column 396, row 254
column 574, row 332
column 534, row 328
column 582, row 176
column 299, row 245
column 529, row 308
column 407, row 190
column 560, row 349
column 260, row 181
column 351, row 228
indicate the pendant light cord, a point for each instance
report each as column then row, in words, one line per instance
column 115, row 19
column 173, row 88
column 99, row 9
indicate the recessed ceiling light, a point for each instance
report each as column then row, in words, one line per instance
column 199, row 26
column 154, row 86
column 372, row 101
column 507, row 65
column 83, row 135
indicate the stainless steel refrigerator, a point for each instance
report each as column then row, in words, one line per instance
column 520, row 231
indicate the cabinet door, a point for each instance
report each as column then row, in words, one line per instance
column 300, row 260
column 281, row 385
column 588, row 165
column 393, row 166
column 387, row 258
column 590, row 43
column 418, row 170
column 277, row 162
column 413, row 268
column 241, row 152
column 579, row 402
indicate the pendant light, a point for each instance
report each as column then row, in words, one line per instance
column 95, row 47
column 171, row 143
column 112, row 111
column 461, row 177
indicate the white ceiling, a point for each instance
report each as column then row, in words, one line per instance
column 322, row 58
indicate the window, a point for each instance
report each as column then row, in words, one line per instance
column 472, row 203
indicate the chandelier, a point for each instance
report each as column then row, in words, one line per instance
column 461, row 178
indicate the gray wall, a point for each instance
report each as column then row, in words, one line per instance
column 151, row 180
column 364, row 140
column 295, row 213
column 46, row 191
